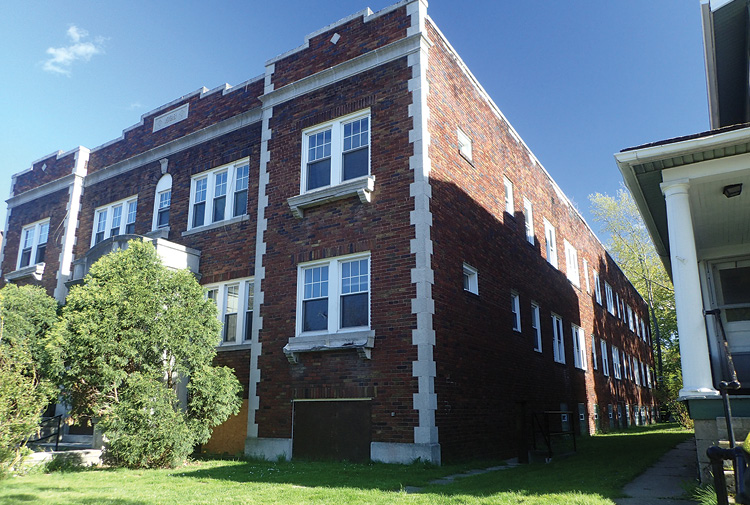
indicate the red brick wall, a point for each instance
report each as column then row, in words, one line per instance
column 357, row 38
column 203, row 112
column 52, row 206
column 55, row 169
column 343, row 227
column 488, row 376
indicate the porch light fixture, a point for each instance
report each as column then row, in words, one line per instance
column 732, row 190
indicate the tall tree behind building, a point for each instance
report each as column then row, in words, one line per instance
column 630, row 245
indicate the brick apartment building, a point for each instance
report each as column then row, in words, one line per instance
column 397, row 274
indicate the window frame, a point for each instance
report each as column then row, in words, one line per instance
column 515, row 304
column 509, row 200
column 465, row 144
column 472, row 275
column 36, row 229
column 579, row 347
column 594, row 360
column 245, row 303
column 336, row 166
column 597, row 288
column 211, row 198
column 586, row 275
column 610, row 298
column 528, row 214
column 334, row 294
column 550, row 243
column 126, row 226
column 571, row 264
column 605, row 358
column 536, row 325
column 616, row 363
column 558, row 340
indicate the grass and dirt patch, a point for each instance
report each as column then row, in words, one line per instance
column 593, row 476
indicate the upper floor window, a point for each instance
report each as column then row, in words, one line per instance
column 162, row 202
column 515, row 309
column 528, row 214
column 471, row 279
column 586, row 275
column 579, row 347
column 597, row 288
column 33, row 243
column 605, row 359
column 558, row 345
column 536, row 327
column 610, row 298
column 594, row 361
column 334, row 295
column 616, row 365
column 234, row 301
column 218, row 194
column 509, row 204
column 464, row 144
column 551, row 245
column 571, row 264
column 336, row 152
column 631, row 325
column 114, row 219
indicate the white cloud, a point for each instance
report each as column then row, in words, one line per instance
column 62, row 58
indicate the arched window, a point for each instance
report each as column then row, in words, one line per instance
column 162, row 202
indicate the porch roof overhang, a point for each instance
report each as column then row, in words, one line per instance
column 709, row 160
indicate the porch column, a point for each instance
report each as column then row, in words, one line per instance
column 691, row 326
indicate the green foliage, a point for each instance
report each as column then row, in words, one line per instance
column 631, row 247
column 132, row 332
column 27, row 364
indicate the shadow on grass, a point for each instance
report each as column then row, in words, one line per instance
column 14, row 499
column 602, row 466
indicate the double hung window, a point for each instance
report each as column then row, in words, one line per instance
column 558, row 345
column 336, row 152
column 509, row 204
column 605, row 359
column 536, row 327
column 616, row 365
column 571, row 264
column 218, row 195
column 594, row 361
column 464, row 144
column 597, row 288
column 162, row 214
column 528, row 214
column 579, row 347
column 117, row 218
column 234, row 301
column 550, row 240
column 33, row 244
column 610, row 298
column 515, row 309
column 334, row 295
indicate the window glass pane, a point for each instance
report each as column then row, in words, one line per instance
column 132, row 208
column 356, row 163
column 233, row 297
column 316, row 282
column 102, row 221
column 40, row 250
column 319, row 146
column 315, row 315
column 199, row 210
column 220, row 188
column 249, row 311
column 354, row 276
column 240, row 203
column 200, row 190
column 230, row 327
column 163, row 218
column 43, row 233
column 165, row 199
column 735, row 285
column 354, row 310
column 319, row 174
column 219, row 207
column 28, row 238
column 356, row 134
column 116, row 218
column 242, row 176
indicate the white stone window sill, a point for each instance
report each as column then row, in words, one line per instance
column 361, row 186
column 218, row 224
column 362, row 341
column 233, row 347
column 34, row 271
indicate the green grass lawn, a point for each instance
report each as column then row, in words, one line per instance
column 595, row 475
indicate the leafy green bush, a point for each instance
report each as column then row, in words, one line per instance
column 133, row 334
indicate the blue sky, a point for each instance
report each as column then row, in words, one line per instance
column 579, row 80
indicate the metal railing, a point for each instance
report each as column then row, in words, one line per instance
column 51, row 425
column 542, row 426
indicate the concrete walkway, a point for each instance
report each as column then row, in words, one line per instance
column 665, row 482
